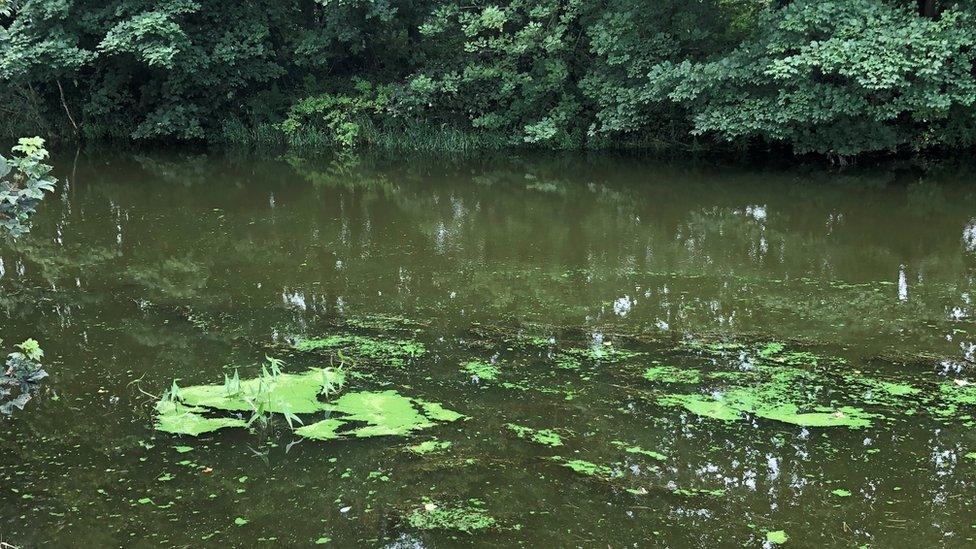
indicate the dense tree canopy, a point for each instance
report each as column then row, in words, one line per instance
column 838, row 77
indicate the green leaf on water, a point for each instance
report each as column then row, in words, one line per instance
column 840, row 492
column 777, row 537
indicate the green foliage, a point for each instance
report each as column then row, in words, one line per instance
column 837, row 77
column 22, row 374
column 833, row 77
column 339, row 118
column 24, row 179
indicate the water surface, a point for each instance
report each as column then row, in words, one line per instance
column 571, row 277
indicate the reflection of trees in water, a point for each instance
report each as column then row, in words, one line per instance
column 526, row 235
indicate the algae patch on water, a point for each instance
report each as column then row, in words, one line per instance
column 482, row 370
column 731, row 406
column 180, row 419
column 670, row 374
column 588, row 468
column 781, row 386
column 633, row 449
column 468, row 517
column 194, row 410
column 384, row 413
column 430, row 447
column 546, row 437
column 280, row 393
column 396, row 352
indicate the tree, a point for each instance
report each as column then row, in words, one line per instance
column 836, row 77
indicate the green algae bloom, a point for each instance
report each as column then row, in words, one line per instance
column 670, row 374
column 482, row 370
column 327, row 429
column 587, row 468
column 702, row 405
column 467, row 518
column 430, row 446
column 385, row 413
column 360, row 414
column 176, row 418
column 546, row 437
column 735, row 403
column 776, row 392
column 294, row 393
column 396, row 352
column 632, row 449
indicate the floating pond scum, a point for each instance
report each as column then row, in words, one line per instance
column 300, row 398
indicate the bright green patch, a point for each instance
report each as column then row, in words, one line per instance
column 384, row 413
column 778, row 394
column 567, row 362
column 437, row 412
column 588, row 468
column 394, row 351
column 176, row 418
column 702, row 405
column 467, row 518
column 546, row 437
column 294, row 393
column 670, row 374
column 777, row 537
column 327, row 429
column 638, row 450
column 841, row 493
column 482, row 370
column 430, row 446
column 770, row 350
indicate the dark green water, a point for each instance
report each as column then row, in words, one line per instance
column 148, row 268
